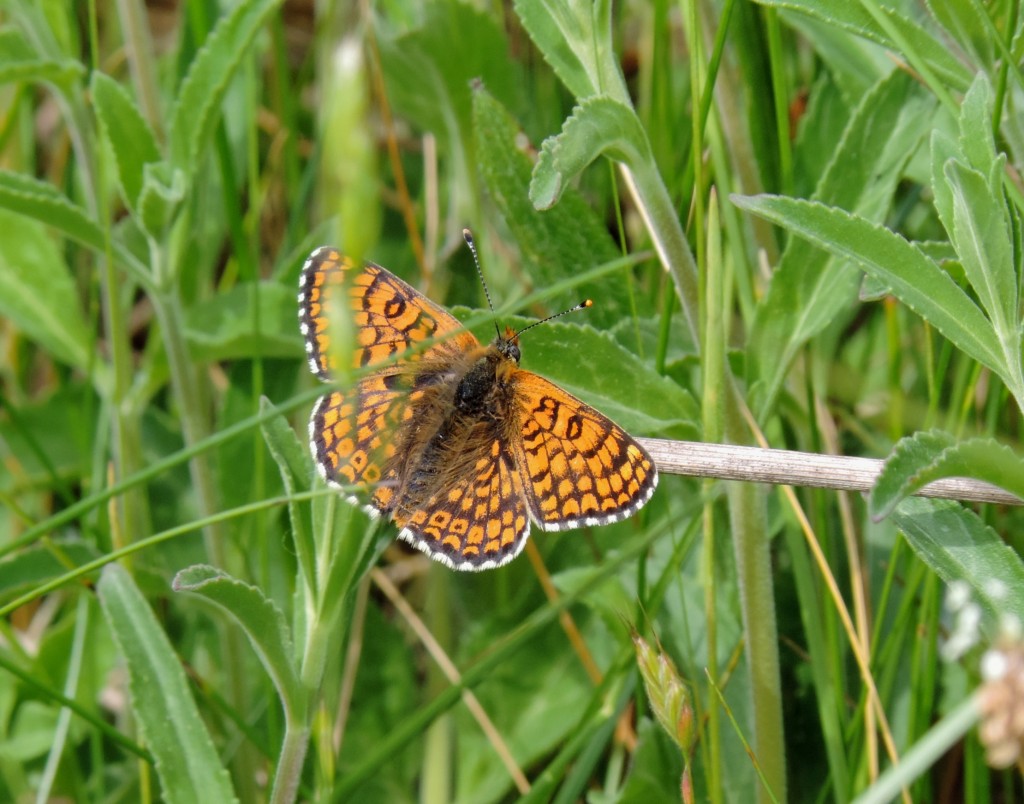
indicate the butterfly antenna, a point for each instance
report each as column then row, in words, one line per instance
column 581, row 306
column 468, row 236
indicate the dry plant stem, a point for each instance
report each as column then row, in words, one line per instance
column 348, row 679
column 451, row 672
column 624, row 732
column 858, row 584
column 564, row 618
column 859, row 655
column 791, row 468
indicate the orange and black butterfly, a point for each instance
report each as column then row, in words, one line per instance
column 455, row 442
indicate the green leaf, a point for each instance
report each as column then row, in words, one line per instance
column 963, row 20
column 958, row 546
column 926, row 457
column 48, row 441
column 854, row 18
column 29, row 734
column 292, row 461
column 44, row 202
column 854, row 64
column 41, row 201
column 575, row 38
column 18, row 62
column 810, row 286
column 430, row 70
column 224, row 327
column 981, row 234
column 186, row 759
column 903, row 267
column 976, row 138
column 41, row 563
column 598, row 126
column 38, row 293
column 130, row 137
column 163, row 189
column 263, row 623
column 197, row 106
column 568, row 238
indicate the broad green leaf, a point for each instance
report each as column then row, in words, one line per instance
column 963, row 20
column 37, row 292
column 293, row 463
column 162, row 703
column 129, row 135
column 598, row 126
column 536, row 724
column 430, row 70
column 958, row 546
column 913, row 278
column 29, row 735
column 41, row 563
column 810, row 286
column 821, row 127
column 926, row 457
column 430, row 73
column 981, row 233
column 263, row 623
column 197, row 106
column 224, row 327
column 565, row 240
column 48, row 441
column 44, row 202
column 854, row 18
column 655, row 767
column 575, row 38
column 14, row 46
column 976, row 139
column 19, row 62
column 41, row 201
column 855, row 64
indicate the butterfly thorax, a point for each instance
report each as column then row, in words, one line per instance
column 483, row 389
column 455, row 421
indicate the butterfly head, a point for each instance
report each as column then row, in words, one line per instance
column 507, row 345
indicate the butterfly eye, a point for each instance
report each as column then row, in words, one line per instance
column 510, row 349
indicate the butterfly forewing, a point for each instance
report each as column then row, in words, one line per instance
column 390, row 317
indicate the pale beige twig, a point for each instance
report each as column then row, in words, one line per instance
column 790, row 468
